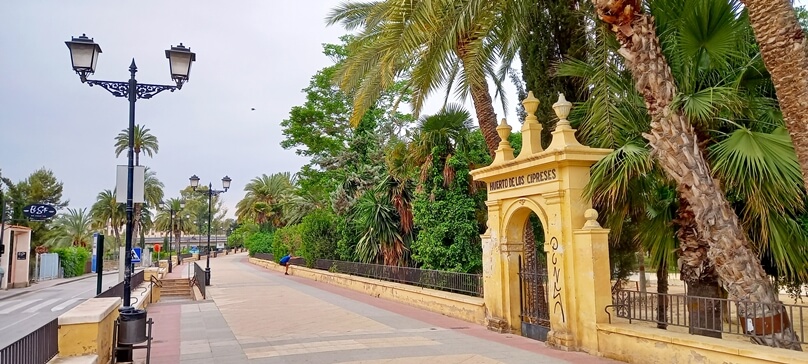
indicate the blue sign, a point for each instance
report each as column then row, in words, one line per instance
column 136, row 255
column 95, row 251
column 39, row 211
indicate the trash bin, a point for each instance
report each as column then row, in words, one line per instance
column 132, row 327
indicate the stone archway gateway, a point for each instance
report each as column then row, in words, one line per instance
column 550, row 184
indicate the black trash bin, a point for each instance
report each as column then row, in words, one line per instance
column 132, row 327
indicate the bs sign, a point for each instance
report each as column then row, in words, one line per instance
column 39, row 211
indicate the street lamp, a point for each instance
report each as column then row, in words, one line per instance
column 84, row 57
column 172, row 213
column 210, row 192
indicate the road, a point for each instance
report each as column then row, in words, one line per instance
column 25, row 313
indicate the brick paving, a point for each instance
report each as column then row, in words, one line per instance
column 258, row 316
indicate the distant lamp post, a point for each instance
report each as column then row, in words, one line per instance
column 210, row 192
column 84, row 57
column 173, row 213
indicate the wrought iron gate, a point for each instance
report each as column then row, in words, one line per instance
column 534, row 314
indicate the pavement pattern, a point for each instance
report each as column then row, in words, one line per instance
column 254, row 315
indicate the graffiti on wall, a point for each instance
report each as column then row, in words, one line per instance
column 557, row 303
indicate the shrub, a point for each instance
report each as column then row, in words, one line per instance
column 287, row 240
column 318, row 233
column 260, row 242
column 73, row 260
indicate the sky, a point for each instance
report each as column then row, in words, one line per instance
column 250, row 54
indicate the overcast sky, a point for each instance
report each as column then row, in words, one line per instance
column 250, row 54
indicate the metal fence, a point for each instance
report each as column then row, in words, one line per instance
column 48, row 266
column 117, row 290
column 199, row 279
column 717, row 316
column 38, row 347
column 463, row 283
column 264, row 256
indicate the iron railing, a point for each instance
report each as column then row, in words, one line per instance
column 199, row 279
column 264, row 256
column 38, row 347
column 463, row 283
column 710, row 316
column 117, row 290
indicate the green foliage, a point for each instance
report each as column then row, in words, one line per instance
column 287, row 240
column 259, row 242
column 449, row 236
column 73, row 260
column 319, row 237
column 239, row 236
column 41, row 186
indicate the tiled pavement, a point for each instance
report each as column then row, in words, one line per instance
column 258, row 316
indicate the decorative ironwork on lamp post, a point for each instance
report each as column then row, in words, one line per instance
column 84, row 56
column 210, row 192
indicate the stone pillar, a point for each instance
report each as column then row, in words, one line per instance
column 493, row 270
column 592, row 281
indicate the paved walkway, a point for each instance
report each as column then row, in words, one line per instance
column 254, row 315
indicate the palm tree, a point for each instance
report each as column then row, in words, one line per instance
column 152, row 194
column 144, row 141
column 438, row 43
column 72, row 228
column 107, row 212
column 376, row 218
column 164, row 222
column 675, row 146
column 265, row 198
column 783, row 47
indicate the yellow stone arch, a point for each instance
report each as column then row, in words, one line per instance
column 549, row 183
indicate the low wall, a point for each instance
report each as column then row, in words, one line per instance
column 467, row 308
column 641, row 345
column 87, row 329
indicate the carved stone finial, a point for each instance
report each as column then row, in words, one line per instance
column 562, row 109
column 591, row 216
column 531, row 104
column 504, row 131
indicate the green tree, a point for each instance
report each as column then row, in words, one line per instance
column 107, row 212
column 144, row 142
column 715, row 222
column 437, row 43
column 445, row 208
column 153, row 195
column 72, row 228
column 41, row 186
column 266, row 195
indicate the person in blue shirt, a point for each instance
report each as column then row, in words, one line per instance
column 285, row 262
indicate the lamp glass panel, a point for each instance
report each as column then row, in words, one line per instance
column 180, row 65
column 83, row 56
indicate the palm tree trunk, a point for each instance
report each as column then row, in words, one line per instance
column 698, row 273
column 675, row 146
column 486, row 116
column 785, row 53
column 484, row 107
column 136, row 223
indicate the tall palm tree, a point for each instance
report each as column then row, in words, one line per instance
column 72, row 228
column 265, row 198
column 144, row 142
column 676, row 148
column 785, row 52
column 107, row 212
column 438, row 43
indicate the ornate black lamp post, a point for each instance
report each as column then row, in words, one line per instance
column 84, row 56
column 210, row 192
column 173, row 213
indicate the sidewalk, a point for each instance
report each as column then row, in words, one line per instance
column 258, row 316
